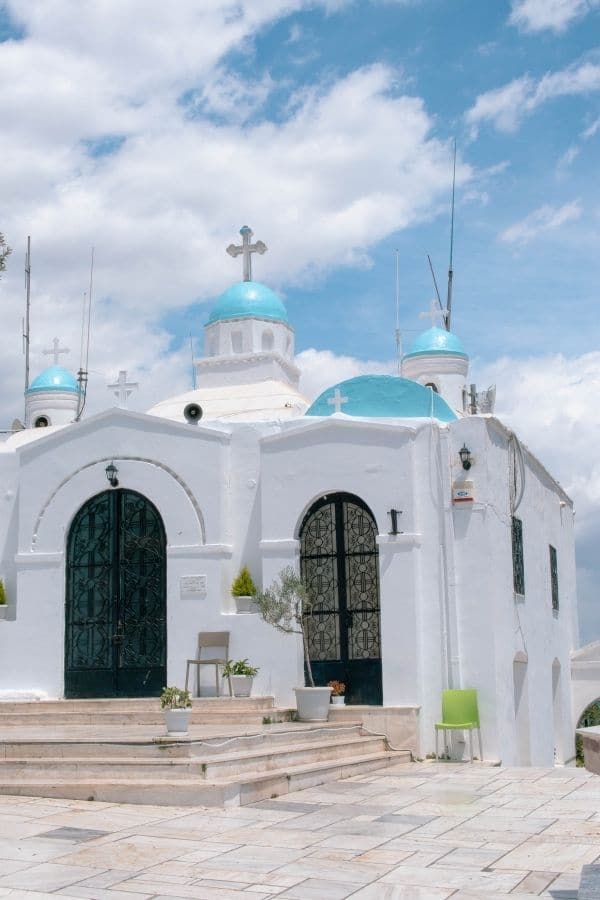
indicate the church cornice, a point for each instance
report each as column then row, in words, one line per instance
column 231, row 360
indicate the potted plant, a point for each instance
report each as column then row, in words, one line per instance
column 176, row 703
column 3, row 600
column 286, row 606
column 241, row 676
column 243, row 591
column 338, row 689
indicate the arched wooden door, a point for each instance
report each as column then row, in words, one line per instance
column 339, row 561
column 115, row 631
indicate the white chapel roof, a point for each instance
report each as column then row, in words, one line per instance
column 262, row 401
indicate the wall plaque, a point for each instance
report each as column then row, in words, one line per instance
column 193, row 585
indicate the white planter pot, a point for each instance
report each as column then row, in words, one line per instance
column 3, row 610
column 241, row 685
column 313, row 703
column 177, row 720
column 245, row 605
column 338, row 700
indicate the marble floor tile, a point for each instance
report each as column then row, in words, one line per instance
column 564, row 857
column 47, row 876
column 380, row 891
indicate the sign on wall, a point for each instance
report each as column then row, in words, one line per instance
column 193, row 585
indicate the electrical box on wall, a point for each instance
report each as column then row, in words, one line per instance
column 462, row 492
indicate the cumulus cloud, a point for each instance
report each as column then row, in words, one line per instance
column 553, row 15
column 546, row 218
column 552, row 403
column 126, row 128
column 322, row 368
column 506, row 106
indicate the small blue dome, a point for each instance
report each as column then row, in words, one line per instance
column 384, row 396
column 248, row 298
column 436, row 341
column 54, row 379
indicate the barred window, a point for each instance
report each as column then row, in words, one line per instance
column 517, row 556
column 554, row 578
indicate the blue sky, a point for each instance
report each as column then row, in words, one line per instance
column 327, row 126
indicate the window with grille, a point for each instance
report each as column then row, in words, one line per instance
column 517, row 556
column 554, row 578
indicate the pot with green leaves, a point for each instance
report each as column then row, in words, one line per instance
column 3, row 600
column 286, row 606
column 241, row 676
column 177, row 704
column 243, row 591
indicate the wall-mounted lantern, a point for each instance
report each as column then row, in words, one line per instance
column 111, row 473
column 465, row 457
column 393, row 514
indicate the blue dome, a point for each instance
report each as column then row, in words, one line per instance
column 384, row 396
column 248, row 298
column 436, row 341
column 54, row 379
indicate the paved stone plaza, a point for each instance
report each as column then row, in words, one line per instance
column 412, row 832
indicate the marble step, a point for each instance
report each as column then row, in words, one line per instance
column 86, row 743
column 126, row 704
column 200, row 716
column 196, row 792
column 238, row 764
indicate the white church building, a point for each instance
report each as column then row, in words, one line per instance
column 438, row 551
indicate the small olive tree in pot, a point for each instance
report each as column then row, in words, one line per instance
column 285, row 605
column 3, row 600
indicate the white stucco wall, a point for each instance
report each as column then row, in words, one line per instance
column 236, row 494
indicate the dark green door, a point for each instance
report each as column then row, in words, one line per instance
column 115, row 636
column 339, row 561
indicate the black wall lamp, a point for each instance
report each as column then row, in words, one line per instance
column 111, row 473
column 393, row 514
column 465, row 457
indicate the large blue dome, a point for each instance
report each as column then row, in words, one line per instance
column 248, row 298
column 438, row 342
column 54, row 379
column 384, row 396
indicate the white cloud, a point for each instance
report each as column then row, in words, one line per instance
column 555, row 15
column 506, row 106
column 552, row 403
column 591, row 130
column 546, row 218
column 322, row 368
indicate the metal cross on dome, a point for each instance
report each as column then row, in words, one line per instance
column 56, row 351
column 434, row 313
column 337, row 400
column 122, row 389
column 246, row 249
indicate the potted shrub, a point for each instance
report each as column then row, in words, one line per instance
column 176, row 703
column 338, row 689
column 243, row 591
column 286, row 606
column 3, row 600
column 241, row 676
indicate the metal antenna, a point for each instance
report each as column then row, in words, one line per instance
column 450, row 270
column 27, row 309
column 435, row 284
column 193, row 363
column 398, row 335
column 82, row 375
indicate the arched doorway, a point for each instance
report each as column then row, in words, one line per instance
column 339, row 562
column 590, row 716
column 115, row 610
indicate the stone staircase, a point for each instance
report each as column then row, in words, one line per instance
column 117, row 750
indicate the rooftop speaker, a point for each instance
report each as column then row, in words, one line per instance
column 192, row 413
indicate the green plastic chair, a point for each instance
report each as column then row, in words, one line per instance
column 459, row 712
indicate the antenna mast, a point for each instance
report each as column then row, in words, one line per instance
column 398, row 335
column 450, row 270
column 27, row 309
column 435, row 284
column 82, row 375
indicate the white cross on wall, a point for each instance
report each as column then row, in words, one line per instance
column 337, row 400
column 122, row 389
column 434, row 313
column 247, row 249
column 56, row 351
